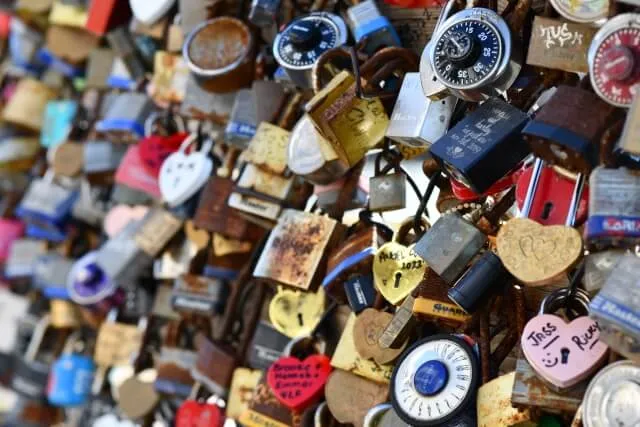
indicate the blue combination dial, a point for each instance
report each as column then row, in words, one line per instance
column 467, row 53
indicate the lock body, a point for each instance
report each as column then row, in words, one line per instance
column 199, row 294
column 70, row 380
column 266, row 346
column 368, row 23
column 126, row 116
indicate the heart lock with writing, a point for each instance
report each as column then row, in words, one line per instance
column 553, row 195
column 563, row 354
column 195, row 412
column 163, row 137
column 397, row 269
column 299, row 383
column 182, row 174
column 539, row 254
column 71, row 375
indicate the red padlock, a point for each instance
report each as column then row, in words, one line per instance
column 552, row 198
column 154, row 150
column 465, row 194
column 194, row 413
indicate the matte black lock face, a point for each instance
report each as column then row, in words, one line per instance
column 484, row 147
column 266, row 346
column 360, row 292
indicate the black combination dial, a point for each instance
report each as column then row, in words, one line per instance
column 302, row 42
column 467, row 53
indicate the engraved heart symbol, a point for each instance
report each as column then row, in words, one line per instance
column 563, row 353
column 536, row 254
column 298, row 384
column 397, row 270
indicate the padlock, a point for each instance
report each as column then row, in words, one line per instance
column 494, row 404
column 352, row 125
column 58, row 118
column 360, row 292
column 71, row 375
column 243, row 384
column 88, row 285
column 529, row 391
column 127, row 50
column 174, row 261
column 295, row 252
column 10, row 231
column 197, row 412
column 553, row 195
column 598, row 266
column 266, row 346
column 227, row 258
column 355, row 255
column 91, row 205
column 484, row 58
column 559, row 45
column 484, row 146
column 346, row 357
column 24, row 43
column 107, row 15
column 64, row 314
column 21, row 257
column 440, row 374
column 563, row 354
column 201, row 104
column 117, row 343
column 367, row 329
column 138, row 397
column 397, row 268
column 124, row 121
column 98, row 68
column 401, row 325
column 297, row 47
column 50, row 275
column 432, row 303
column 170, row 75
column 312, row 156
column 562, row 247
column 214, row 366
column 295, row 313
column 387, row 192
column 163, row 136
column 31, row 373
column 220, row 73
column 27, row 105
column 132, row 178
column 615, row 310
column 613, row 221
column 199, row 294
column 449, row 245
column 264, row 409
column 267, row 149
column 417, row 121
column 102, row 156
column 48, row 204
column 264, row 14
column 71, row 45
column 559, row 136
column 182, row 175
column 368, row 24
column 14, row 309
column 176, row 360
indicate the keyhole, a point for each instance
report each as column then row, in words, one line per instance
column 398, row 277
column 546, row 210
column 564, row 355
column 300, row 320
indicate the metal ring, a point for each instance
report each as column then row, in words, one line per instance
column 555, row 299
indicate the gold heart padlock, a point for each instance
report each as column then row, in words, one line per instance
column 397, row 269
column 296, row 313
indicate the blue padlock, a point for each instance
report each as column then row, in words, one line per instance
column 71, row 376
column 58, row 121
column 50, row 273
column 371, row 26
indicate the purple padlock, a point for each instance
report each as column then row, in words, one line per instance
column 88, row 285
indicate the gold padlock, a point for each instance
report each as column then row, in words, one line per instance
column 64, row 314
column 26, row 106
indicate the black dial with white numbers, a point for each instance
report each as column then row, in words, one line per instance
column 467, row 53
column 305, row 39
column 435, row 382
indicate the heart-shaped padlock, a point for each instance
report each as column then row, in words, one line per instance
column 196, row 412
column 563, row 354
column 182, row 174
column 397, row 269
column 295, row 313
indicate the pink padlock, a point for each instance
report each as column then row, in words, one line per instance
column 10, row 230
column 563, row 354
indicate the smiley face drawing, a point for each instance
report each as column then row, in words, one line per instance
column 548, row 362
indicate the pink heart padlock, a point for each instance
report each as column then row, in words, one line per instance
column 563, row 354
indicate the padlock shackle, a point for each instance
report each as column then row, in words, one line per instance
column 37, row 337
column 561, row 298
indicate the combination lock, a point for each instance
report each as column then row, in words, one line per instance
column 302, row 42
column 435, row 381
column 474, row 55
column 614, row 59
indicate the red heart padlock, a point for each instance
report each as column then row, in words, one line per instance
column 195, row 414
column 298, row 384
column 155, row 149
column 465, row 194
column 553, row 197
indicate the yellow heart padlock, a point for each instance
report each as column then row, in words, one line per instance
column 397, row 269
column 296, row 313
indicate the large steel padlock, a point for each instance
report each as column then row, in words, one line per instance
column 71, row 375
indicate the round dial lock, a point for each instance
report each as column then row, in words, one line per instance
column 582, row 10
column 434, row 381
column 302, row 42
column 473, row 51
column 612, row 396
column 614, row 60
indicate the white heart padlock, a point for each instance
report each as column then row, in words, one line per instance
column 182, row 174
column 149, row 12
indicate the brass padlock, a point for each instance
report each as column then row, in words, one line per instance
column 117, row 343
column 26, row 106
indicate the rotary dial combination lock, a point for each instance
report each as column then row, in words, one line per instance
column 434, row 381
column 302, row 42
column 614, row 60
column 473, row 54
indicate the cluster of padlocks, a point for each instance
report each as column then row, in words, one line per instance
column 320, row 213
